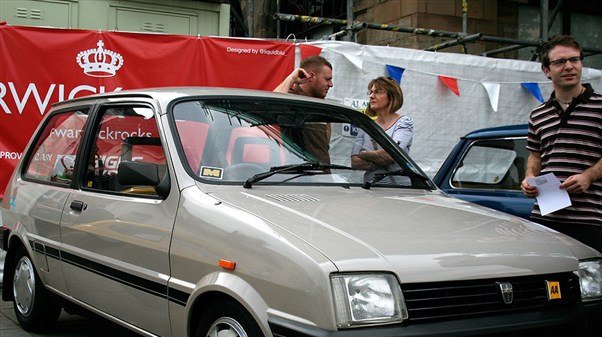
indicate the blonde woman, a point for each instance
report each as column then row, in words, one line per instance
column 386, row 98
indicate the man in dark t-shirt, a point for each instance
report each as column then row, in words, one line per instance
column 313, row 78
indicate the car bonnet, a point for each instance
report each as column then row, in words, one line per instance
column 419, row 235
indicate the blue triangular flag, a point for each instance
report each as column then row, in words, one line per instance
column 534, row 90
column 395, row 72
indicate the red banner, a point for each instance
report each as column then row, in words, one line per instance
column 40, row 66
column 245, row 63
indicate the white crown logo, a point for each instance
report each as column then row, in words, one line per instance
column 99, row 62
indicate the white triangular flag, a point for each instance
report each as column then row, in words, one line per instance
column 493, row 91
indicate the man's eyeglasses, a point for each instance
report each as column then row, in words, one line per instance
column 562, row 62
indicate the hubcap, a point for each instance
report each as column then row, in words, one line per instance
column 226, row 327
column 24, row 285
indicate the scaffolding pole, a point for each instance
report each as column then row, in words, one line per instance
column 419, row 31
column 309, row 19
column 349, row 19
column 503, row 50
column 394, row 28
column 461, row 40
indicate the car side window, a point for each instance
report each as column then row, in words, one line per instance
column 492, row 164
column 126, row 134
column 53, row 156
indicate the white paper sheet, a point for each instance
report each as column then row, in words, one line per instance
column 550, row 197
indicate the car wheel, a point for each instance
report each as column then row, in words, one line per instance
column 33, row 306
column 226, row 318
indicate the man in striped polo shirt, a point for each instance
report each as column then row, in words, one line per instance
column 565, row 138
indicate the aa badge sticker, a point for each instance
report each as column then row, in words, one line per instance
column 553, row 290
column 211, row 172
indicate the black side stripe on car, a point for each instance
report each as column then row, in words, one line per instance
column 142, row 284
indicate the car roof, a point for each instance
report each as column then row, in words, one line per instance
column 166, row 94
column 499, row 131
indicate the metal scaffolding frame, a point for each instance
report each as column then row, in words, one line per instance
column 458, row 38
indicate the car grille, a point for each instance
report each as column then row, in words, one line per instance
column 462, row 299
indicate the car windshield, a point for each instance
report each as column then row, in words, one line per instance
column 271, row 141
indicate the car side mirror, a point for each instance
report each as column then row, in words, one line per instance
column 132, row 173
column 138, row 173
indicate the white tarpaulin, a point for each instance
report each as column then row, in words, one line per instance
column 492, row 92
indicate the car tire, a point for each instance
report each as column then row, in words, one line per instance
column 33, row 306
column 227, row 318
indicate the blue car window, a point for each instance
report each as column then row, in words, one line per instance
column 492, row 164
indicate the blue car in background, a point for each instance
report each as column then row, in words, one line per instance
column 486, row 167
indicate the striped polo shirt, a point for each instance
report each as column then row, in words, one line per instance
column 569, row 142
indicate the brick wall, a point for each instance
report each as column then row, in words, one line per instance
column 484, row 16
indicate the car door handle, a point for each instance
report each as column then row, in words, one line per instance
column 77, row 205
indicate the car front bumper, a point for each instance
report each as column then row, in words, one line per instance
column 580, row 320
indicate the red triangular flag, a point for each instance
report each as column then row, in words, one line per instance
column 309, row 50
column 451, row 83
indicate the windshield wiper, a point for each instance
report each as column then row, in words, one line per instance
column 380, row 176
column 292, row 168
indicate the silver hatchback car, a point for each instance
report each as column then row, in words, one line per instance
column 225, row 212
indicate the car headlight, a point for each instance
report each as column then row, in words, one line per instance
column 364, row 299
column 590, row 279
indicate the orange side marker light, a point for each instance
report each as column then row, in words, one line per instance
column 227, row 264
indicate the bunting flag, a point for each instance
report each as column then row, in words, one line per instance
column 451, row 83
column 493, row 91
column 395, row 72
column 309, row 50
column 534, row 90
